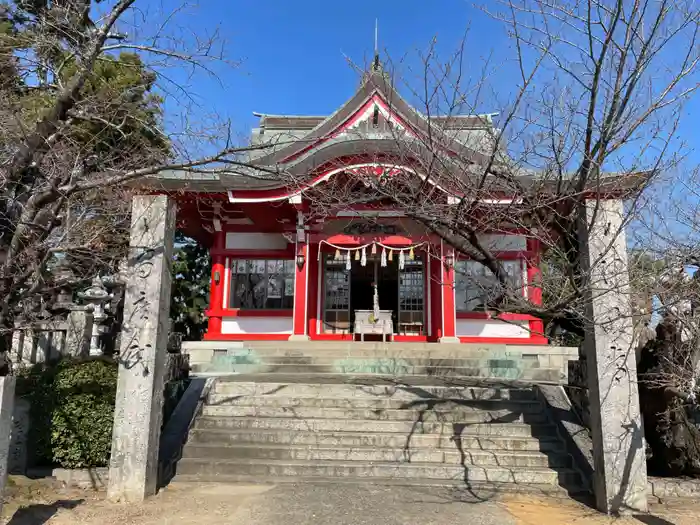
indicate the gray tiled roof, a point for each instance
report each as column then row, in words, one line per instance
column 468, row 138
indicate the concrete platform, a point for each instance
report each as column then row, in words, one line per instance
column 534, row 363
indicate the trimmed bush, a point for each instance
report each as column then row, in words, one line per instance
column 72, row 411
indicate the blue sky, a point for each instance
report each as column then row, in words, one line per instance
column 294, row 54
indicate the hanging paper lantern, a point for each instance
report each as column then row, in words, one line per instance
column 348, row 263
column 374, row 249
column 383, row 257
column 402, row 260
column 363, row 259
column 337, row 254
column 411, row 255
column 391, row 255
column 357, row 255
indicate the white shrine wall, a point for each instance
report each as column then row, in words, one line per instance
column 256, row 325
column 492, row 328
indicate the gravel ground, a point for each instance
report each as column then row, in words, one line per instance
column 36, row 503
column 369, row 505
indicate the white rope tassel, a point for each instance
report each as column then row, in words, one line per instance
column 402, row 260
column 348, row 261
column 383, row 257
column 363, row 259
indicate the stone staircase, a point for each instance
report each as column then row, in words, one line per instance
column 408, row 429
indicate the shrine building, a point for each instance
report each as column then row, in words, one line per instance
column 361, row 272
column 340, row 229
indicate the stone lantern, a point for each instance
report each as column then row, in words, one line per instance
column 64, row 279
column 115, row 284
column 117, row 279
column 96, row 296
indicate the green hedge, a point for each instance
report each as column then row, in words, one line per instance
column 72, row 411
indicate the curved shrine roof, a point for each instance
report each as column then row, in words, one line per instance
column 375, row 122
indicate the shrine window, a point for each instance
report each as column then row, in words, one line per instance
column 476, row 285
column 262, row 284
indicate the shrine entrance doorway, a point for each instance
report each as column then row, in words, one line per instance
column 362, row 281
column 400, row 291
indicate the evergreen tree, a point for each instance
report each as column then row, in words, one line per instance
column 116, row 124
column 190, row 291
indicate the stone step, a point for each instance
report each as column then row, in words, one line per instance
column 368, row 350
column 351, row 361
column 521, row 373
column 358, row 425
column 444, row 415
column 376, row 403
column 453, row 456
column 381, row 440
column 213, row 470
column 233, row 387
column 495, row 369
column 478, row 489
column 359, row 363
column 256, row 349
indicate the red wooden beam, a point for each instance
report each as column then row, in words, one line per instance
column 268, row 217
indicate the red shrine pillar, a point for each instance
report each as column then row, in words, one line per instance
column 301, row 297
column 216, row 293
column 312, row 289
column 434, row 291
column 534, row 284
column 449, row 315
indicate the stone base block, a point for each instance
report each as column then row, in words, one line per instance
column 299, row 337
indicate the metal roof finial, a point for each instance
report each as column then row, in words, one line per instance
column 376, row 66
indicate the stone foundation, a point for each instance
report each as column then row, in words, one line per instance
column 527, row 363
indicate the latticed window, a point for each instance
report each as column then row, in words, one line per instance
column 336, row 310
column 262, row 284
column 476, row 285
column 411, row 298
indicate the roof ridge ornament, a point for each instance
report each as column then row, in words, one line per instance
column 376, row 65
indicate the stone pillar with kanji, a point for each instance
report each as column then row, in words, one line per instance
column 620, row 478
column 138, row 410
